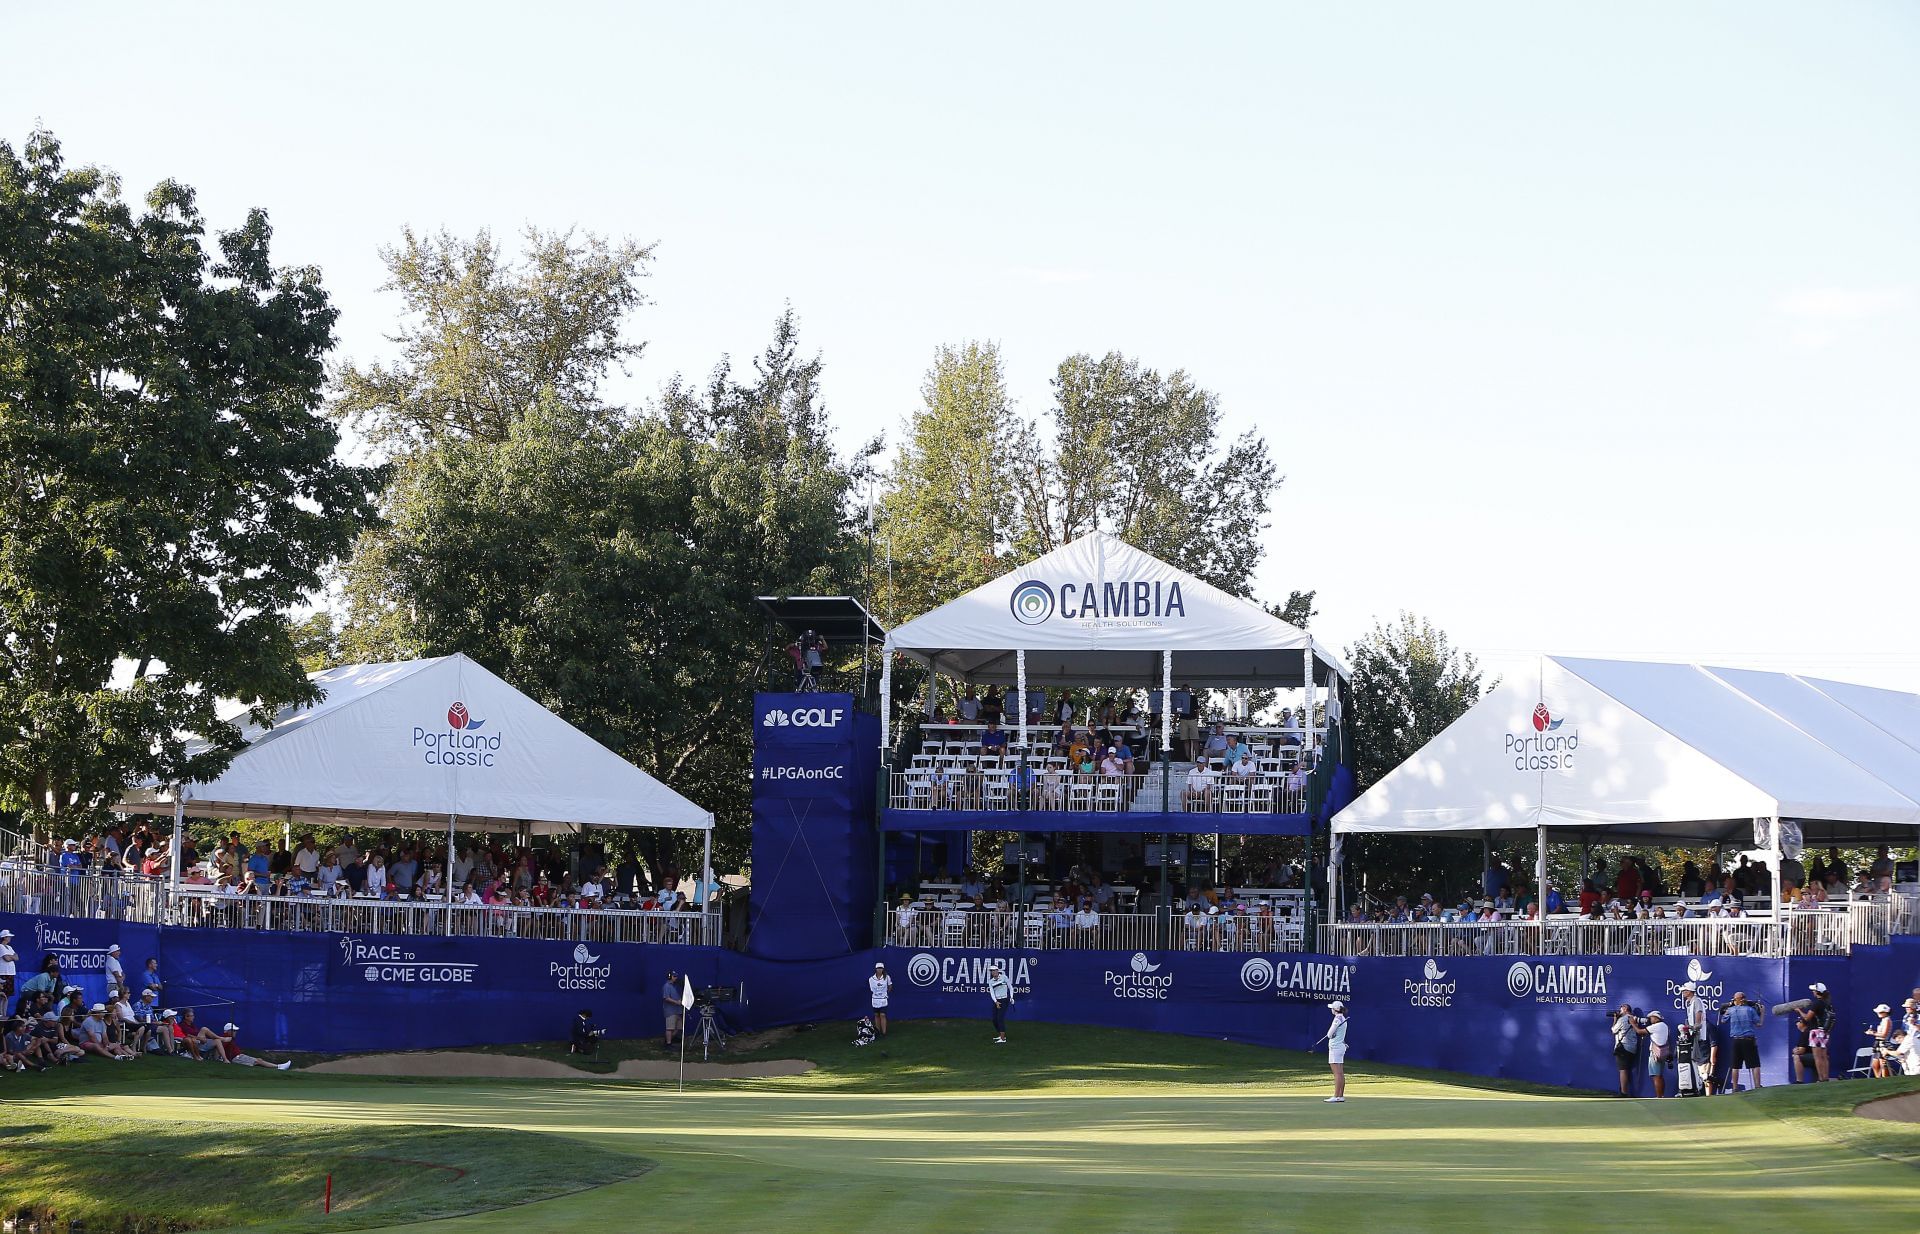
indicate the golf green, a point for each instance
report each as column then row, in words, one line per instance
column 1409, row 1151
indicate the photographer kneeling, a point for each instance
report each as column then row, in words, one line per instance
column 586, row 1037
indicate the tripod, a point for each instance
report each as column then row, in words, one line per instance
column 711, row 1033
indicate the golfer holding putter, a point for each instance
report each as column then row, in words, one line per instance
column 1336, row 1040
column 1000, row 990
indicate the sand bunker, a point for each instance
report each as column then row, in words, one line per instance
column 1902, row 1109
column 446, row 1064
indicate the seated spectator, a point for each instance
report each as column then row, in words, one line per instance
column 91, row 1035
column 1111, row 765
column 1244, row 770
column 1199, row 790
column 53, row 1044
column 18, row 1049
column 1232, row 752
column 227, row 1050
column 1086, row 921
column 994, row 740
column 1216, row 745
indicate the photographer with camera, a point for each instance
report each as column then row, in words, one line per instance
column 1742, row 1019
column 586, row 1037
column 1627, row 1031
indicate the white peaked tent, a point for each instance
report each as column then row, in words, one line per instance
column 427, row 744
column 1099, row 611
column 1618, row 751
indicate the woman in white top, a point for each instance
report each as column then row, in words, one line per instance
column 1000, row 990
column 880, row 986
column 1337, row 1050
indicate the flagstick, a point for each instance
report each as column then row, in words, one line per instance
column 683, row 1056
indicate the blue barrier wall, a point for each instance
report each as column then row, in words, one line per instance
column 815, row 759
column 1539, row 1019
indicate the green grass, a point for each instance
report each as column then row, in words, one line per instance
column 1091, row 1131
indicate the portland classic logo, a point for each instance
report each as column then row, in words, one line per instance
column 582, row 956
column 1695, row 973
column 1545, row 748
column 1032, row 603
column 1433, row 989
column 462, row 744
column 585, row 973
column 1144, row 981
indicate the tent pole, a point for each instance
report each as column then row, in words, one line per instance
column 886, row 700
column 1540, row 882
column 1020, row 673
column 706, row 872
column 450, row 821
column 1166, row 706
column 1306, row 684
column 179, row 836
column 1774, row 858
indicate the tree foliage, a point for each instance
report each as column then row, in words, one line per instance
column 976, row 488
column 607, row 567
column 482, row 337
column 167, row 487
column 1409, row 683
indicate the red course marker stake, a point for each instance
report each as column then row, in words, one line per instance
column 326, row 1202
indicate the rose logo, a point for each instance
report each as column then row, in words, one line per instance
column 1520, row 979
column 1434, row 971
column 1143, row 965
column 1257, row 974
column 923, row 969
column 1543, row 720
column 1032, row 603
column 1695, row 972
column 457, row 717
column 582, row 956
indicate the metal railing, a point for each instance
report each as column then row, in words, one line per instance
column 32, row 888
column 1049, row 930
column 1831, row 930
column 1014, row 789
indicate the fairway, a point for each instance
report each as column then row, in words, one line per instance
column 849, row 1148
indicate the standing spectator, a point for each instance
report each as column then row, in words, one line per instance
column 814, row 649
column 1337, row 1050
column 672, row 1009
column 1693, row 1016
column 1000, row 990
column 879, row 987
column 1817, row 1018
column 1742, row 1019
column 9, row 962
column 1659, row 1050
column 1882, row 1034
column 969, row 707
column 1627, row 1031
column 1880, row 873
column 116, row 975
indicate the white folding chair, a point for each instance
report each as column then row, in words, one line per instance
column 1106, row 795
column 1862, row 1062
column 1233, row 798
column 999, row 791
column 1079, row 796
column 1260, row 798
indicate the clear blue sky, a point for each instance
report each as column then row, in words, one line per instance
column 1589, row 328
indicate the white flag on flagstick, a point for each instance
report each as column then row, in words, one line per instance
column 686, row 993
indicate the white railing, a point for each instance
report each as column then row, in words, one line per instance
column 1048, row 930
column 1012, row 789
column 1831, row 930
column 48, row 891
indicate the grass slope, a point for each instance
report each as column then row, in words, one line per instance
column 1103, row 1130
column 110, row 1171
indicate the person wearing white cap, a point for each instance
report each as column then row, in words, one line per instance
column 1815, row 1022
column 1882, row 1034
column 9, row 967
column 1336, row 1040
column 1693, row 1016
column 90, row 1034
column 116, row 975
column 1000, row 990
column 230, row 1051
column 879, row 986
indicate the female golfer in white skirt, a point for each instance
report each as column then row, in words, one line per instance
column 1337, row 1050
column 880, row 986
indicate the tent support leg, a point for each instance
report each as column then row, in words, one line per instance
column 1774, row 858
column 451, row 819
column 1020, row 674
column 173, row 852
column 1540, row 883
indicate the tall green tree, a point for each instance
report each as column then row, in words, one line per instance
column 483, row 336
column 1143, row 455
column 608, row 566
column 1409, row 683
column 947, row 515
column 168, row 488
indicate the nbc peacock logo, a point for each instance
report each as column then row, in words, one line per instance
column 1032, row 602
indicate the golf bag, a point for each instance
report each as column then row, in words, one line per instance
column 1687, row 1077
column 863, row 1031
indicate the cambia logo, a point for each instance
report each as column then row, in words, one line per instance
column 1134, row 602
column 1297, row 979
column 1032, row 602
column 1559, row 983
column 967, row 974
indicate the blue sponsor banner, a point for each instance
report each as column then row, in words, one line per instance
column 782, row 720
column 805, row 771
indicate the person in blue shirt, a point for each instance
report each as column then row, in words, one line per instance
column 1742, row 1019
column 994, row 740
column 260, row 865
column 73, row 862
column 1124, row 753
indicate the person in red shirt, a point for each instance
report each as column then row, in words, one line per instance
column 1627, row 886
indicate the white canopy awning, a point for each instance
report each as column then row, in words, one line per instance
column 411, row 744
column 1619, row 751
column 1100, row 612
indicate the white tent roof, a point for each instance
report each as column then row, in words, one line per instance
column 409, row 744
column 1100, row 612
column 1622, row 750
